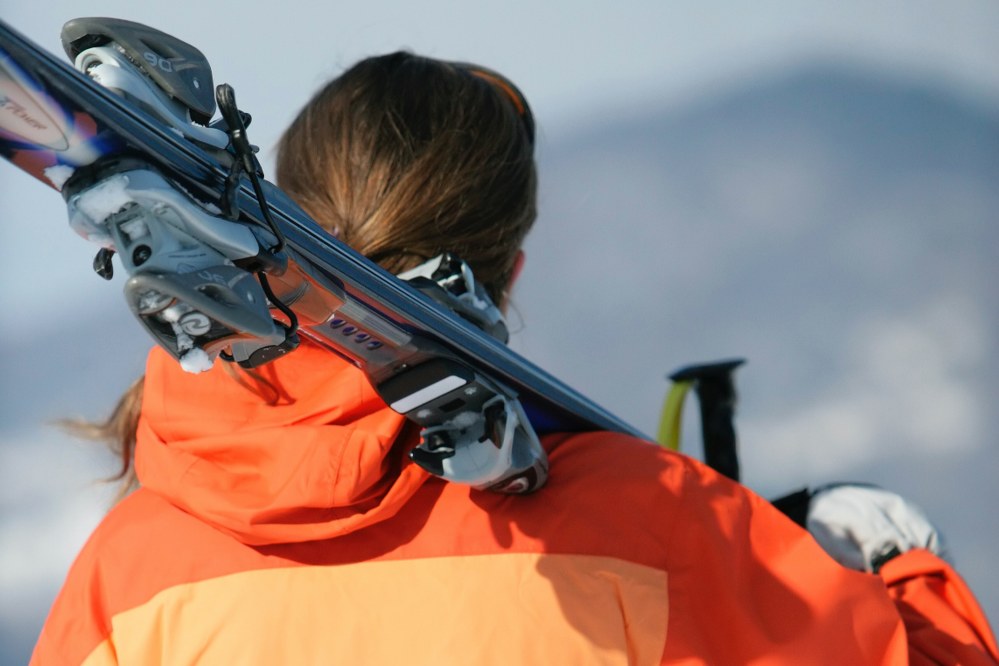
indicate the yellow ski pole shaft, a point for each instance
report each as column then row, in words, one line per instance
column 672, row 415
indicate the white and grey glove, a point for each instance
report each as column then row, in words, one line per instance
column 863, row 526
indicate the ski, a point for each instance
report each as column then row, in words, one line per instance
column 223, row 265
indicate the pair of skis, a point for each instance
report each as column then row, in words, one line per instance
column 223, row 265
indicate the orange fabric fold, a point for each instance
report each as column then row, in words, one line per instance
column 309, row 453
column 944, row 621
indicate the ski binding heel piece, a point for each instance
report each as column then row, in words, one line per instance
column 474, row 431
column 184, row 286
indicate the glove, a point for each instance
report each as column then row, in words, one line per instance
column 863, row 526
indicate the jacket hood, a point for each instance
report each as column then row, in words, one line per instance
column 310, row 453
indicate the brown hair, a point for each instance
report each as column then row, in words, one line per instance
column 402, row 158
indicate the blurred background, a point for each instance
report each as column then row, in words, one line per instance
column 811, row 186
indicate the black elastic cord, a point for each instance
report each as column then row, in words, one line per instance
column 226, row 98
column 246, row 162
column 292, row 326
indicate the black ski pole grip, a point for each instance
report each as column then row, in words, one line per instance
column 717, row 396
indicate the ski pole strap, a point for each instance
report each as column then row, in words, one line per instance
column 716, row 393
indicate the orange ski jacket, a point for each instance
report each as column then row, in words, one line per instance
column 291, row 529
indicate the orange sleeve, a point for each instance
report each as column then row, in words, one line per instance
column 750, row 586
column 943, row 621
column 77, row 624
column 747, row 585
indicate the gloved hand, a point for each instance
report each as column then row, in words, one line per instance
column 863, row 526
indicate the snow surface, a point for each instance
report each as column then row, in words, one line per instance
column 192, row 359
column 59, row 174
column 104, row 199
column 196, row 361
column 136, row 228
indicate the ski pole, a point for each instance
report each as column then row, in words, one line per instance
column 715, row 388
